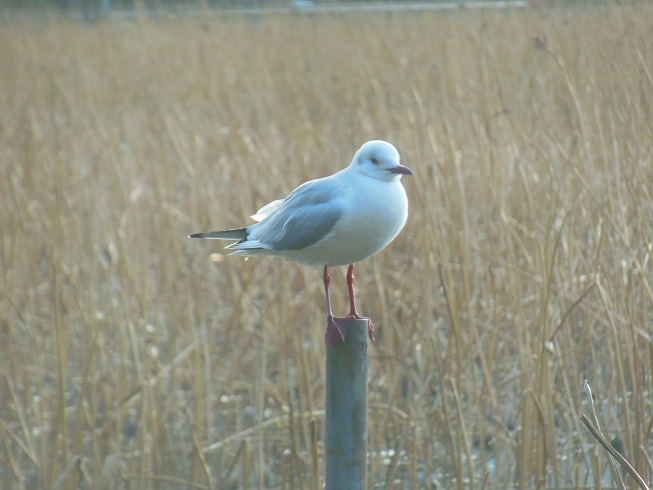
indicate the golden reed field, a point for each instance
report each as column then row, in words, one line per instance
column 134, row 357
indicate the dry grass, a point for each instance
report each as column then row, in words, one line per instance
column 525, row 266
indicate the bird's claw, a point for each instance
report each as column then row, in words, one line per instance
column 334, row 331
column 370, row 325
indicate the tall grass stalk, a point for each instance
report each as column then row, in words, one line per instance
column 128, row 352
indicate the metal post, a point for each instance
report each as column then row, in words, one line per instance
column 346, row 409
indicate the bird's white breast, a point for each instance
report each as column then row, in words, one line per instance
column 375, row 213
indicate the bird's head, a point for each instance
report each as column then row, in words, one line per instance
column 379, row 160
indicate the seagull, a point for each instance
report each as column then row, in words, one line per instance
column 333, row 221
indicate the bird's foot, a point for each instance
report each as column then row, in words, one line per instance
column 370, row 325
column 335, row 332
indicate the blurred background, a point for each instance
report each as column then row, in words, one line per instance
column 134, row 357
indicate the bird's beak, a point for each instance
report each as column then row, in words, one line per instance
column 400, row 169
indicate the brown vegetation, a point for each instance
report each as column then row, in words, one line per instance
column 126, row 353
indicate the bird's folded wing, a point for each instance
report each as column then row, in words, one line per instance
column 267, row 210
column 305, row 217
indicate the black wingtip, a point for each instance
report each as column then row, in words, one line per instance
column 196, row 235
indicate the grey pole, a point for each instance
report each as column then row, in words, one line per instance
column 346, row 408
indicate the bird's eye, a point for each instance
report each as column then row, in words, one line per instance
column 374, row 160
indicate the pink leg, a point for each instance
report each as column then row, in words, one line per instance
column 350, row 286
column 333, row 330
column 353, row 313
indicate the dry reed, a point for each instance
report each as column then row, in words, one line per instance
column 525, row 266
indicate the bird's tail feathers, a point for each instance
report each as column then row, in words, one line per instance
column 246, row 245
column 233, row 234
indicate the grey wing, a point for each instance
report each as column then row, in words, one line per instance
column 306, row 216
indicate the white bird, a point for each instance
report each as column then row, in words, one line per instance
column 337, row 220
